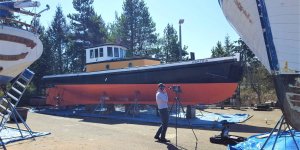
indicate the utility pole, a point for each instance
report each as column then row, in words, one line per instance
column 181, row 21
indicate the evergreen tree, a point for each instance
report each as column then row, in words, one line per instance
column 44, row 65
column 58, row 35
column 246, row 54
column 223, row 51
column 171, row 46
column 218, row 51
column 88, row 29
column 228, row 46
column 114, row 30
column 137, row 29
column 255, row 75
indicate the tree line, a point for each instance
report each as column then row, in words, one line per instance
column 64, row 43
column 66, row 38
column 255, row 78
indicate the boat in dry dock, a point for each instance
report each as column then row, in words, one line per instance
column 134, row 80
column 20, row 45
column 271, row 29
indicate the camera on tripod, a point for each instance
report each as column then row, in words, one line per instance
column 176, row 88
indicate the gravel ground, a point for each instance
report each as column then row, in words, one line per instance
column 108, row 134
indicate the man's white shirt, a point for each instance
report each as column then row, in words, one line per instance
column 162, row 99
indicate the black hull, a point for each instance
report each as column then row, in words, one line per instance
column 201, row 81
column 225, row 71
column 288, row 91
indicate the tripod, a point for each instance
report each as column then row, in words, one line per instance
column 178, row 103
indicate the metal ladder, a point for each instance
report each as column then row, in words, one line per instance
column 12, row 97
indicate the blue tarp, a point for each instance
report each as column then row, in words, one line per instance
column 231, row 118
column 206, row 119
column 212, row 120
column 255, row 142
column 10, row 135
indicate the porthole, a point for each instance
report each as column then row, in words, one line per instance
column 107, row 67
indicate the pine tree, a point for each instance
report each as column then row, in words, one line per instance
column 44, row 65
column 171, row 46
column 228, row 46
column 218, row 51
column 88, row 30
column 114, row 30
column 223, row 51
column 58, row 32
column 137, row 29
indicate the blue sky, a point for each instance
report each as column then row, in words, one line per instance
column 204, row 22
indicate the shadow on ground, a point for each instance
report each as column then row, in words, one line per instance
column 150, row 120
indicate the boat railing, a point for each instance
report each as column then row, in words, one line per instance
column 17, row 24
column 7, row 11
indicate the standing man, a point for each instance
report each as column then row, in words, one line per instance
column 162, row 103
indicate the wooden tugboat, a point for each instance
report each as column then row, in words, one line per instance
column 124, row 80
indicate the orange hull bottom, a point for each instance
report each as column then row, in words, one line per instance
column 198, row 93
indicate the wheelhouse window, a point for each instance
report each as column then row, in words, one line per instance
column 96, row 53
column 100, row 52
column 121, row 53
column 92, row 54
column 116, row 52
column 124, row 53
column 109, row 52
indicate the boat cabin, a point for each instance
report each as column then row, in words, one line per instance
column 111, row 56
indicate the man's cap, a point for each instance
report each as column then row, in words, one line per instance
column 161, row 85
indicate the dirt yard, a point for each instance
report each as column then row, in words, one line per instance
column 108, row 134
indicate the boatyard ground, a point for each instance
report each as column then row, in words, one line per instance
column 110, row 134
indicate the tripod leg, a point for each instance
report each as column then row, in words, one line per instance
column 271, row 133
column 293, row 136
column 171, row 108
column 180, row 104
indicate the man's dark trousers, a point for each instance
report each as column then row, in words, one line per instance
column 164, row 115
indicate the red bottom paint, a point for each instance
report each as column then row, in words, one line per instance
column 198, row 93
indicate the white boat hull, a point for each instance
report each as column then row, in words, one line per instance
column 18, row 50
column 271, row 29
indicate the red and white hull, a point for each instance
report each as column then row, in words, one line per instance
column 18, row 50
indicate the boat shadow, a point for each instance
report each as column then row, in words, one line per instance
column 152, row 120
column 241, row 128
